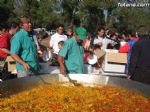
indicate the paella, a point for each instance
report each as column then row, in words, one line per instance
column 58, row 98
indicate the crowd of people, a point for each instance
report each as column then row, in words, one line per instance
column 70, row 51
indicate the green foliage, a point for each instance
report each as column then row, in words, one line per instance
column 88, row 11
column 6, row 10
column 69, row 10
column 133, row 17
column 45, row 13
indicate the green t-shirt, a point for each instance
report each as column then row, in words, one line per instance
column 24, row 46
column 73, row 56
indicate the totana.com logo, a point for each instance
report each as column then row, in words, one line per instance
column 134, row 3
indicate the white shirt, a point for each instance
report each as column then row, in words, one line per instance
column 105, row 41
column 98, row 40
column 55, row 39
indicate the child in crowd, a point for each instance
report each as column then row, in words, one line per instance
column 95, row 56
column 89, row 53
column 60, row 44
column 53, row 61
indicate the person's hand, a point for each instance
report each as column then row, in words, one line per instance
column 62, row 70
column 100, row 44
column 26, row 66
column 129, row 77
column 40, row 52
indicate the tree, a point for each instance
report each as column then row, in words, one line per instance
column 70, row 12
column 70, row 8
column 91, row 12
column 34, row 7
column 133, row 17
column 6, row 10
column 46, row 13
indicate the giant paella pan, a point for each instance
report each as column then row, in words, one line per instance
column 55, row 93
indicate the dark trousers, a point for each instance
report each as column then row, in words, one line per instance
column 142, row 75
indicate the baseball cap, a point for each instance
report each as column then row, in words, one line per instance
column 81, row 32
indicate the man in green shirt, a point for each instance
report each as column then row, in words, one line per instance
column 70, row 57
column 24, row 50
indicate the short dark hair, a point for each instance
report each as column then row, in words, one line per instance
column 61, row 43
column 13, row 25
column 3, row 26
column 143, row 32
column 129, row 32
column 59, row 25
column 100, row 28
column 23, row 19
column 113, row 34
column 97, row 46
column 109, row 32
column 91, row 47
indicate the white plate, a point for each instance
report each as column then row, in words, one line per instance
column 92, row 59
